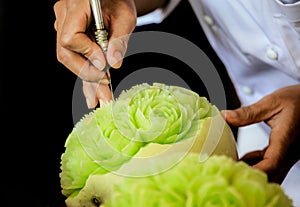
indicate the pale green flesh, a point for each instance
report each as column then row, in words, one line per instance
column 111, row 135
column 146, row 131
column 218, row 181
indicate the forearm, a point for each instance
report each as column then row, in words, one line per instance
column 143, row 7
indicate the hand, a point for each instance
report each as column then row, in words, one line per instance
column 84, row 57
column 281, row 111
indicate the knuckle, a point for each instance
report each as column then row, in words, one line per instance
column 61, row 56
column 66, row 40
column 90, row 51
column 132, row 17
column 131, row 12
column 55, row 25
column 248, row 113
column 56, row 6
column 59, row 6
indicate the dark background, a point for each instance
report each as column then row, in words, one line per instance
column 36, row 96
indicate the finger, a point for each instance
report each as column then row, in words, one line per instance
column 79, row 65
column 276, row 160
column 74, row 61
column 96, row 92
column 89, row 91
column 267, row 159
column 73, row 35
column 252, row 158
column 80, row 43
column 121, row 26
column 116, row 51
column 257, row 160
column 257, row 112
column 60, row 14
column 104, row 94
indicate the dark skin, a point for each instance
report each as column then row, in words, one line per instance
column 280, row 109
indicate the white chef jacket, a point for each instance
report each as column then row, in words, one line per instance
column 259, row 44
column 255, row 39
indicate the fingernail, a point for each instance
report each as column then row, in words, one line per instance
column 102, row 102
column 231, row 113
column 104, row 81
column 116, row 59
column 223, row 113
column 89, row 103
column 98, row 64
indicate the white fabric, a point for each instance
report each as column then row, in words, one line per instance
column 259, row 43
column 158, row 15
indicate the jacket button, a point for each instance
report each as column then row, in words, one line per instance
column 272, row 54
column 247, row 90
column 208, row 20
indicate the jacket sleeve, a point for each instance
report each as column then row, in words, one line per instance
column 291, row 9
column 289, row 1
column 158, row 15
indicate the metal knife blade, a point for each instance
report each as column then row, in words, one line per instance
column 101, row 35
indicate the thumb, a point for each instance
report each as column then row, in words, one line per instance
column 257, row 112
column 122, row 22
column 116, row 50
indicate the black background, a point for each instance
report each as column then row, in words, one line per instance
column 36, row 96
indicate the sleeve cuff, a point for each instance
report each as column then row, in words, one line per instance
column 290, row 10
column 289, row 1
column 158, row 15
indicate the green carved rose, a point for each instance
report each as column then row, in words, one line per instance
column 146, row 131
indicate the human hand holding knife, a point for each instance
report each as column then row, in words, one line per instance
column 78, row 42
